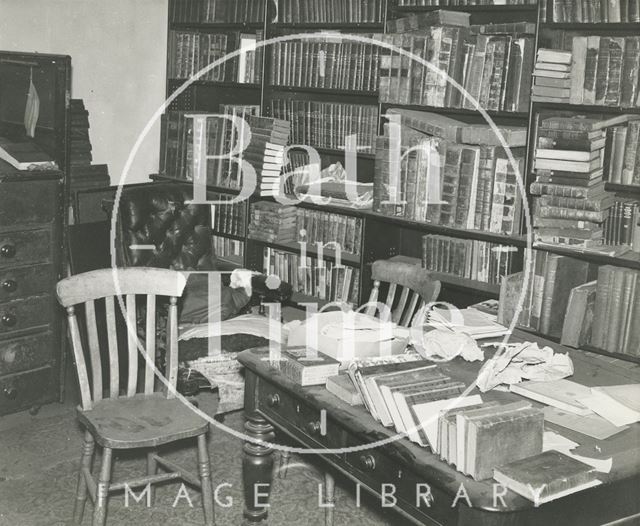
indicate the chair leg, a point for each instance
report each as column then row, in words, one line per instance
column 102, row 490
column 330, row 491
column 205, row 479
column 85, row 462
column 152, row 469
column 285, row 455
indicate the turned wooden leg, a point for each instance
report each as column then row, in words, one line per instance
column 205, row 479
column 85, row 464
column 152, row 469
column 102, row 490
column 329, row 498
column 257, row 467
column 285, row 456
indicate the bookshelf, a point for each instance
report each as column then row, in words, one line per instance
column 385, row 234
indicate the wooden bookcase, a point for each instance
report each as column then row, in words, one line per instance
column 385, row 236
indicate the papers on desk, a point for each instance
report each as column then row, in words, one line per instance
column 554, row 441
column 472, row 322
column 591, row 425
column 619, row 404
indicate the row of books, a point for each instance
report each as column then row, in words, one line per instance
column 228, row 249
column 595, row 11
column 615, row 314
column 441, row 181
column 494, row 69
column 327, row 63
column 273, row 222
column 191, row 51
column 571, row 202
column 621, row 225
column 313, row 277
column 328, row 124
column 446, row 3
column 331, row 11
column 227, row 219
column 624, row 159
column 229, row 11
column 468, row 258
column 325, row 227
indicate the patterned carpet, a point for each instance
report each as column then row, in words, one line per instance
column 39, row 456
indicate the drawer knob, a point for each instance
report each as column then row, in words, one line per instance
column 7, row 251
column 9, row 285
column 273, row 400
column 8, row 320
column 10, row 392
column 368, row 462
column 313, row 428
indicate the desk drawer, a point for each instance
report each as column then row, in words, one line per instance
column 19, row 248
column 29, row 202
column 21, row 391
column 25, row 281
column 22, row 354
column 23, row 314
column 304, row 420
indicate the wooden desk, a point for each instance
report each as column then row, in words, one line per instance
column 271, row 400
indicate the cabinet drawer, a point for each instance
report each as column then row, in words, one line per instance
column 22, row 354
column 19, row 248
column 22, row 314
column 27, row 203
column 20, row 391
column 306, row 421
column 25, row 281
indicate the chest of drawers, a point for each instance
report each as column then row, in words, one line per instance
column 30, row 265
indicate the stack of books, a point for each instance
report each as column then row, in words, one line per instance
column 273, row 222
column 552, row 76
column 451, row 174
column 569, row 159
column 272, row 165
column 481, row 437
column 306, row 366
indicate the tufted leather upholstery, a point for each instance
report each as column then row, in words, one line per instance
column 156, row 214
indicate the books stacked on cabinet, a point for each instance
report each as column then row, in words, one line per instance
column 331, row 11
column 451, row 174
column 571, row 156
column 324, row 280
column 326, row 62
column 328, row 124
column 191, row 51
column 470, row 259
column 492, row 62
column 224, row 11
column 594, row 11
column 552, row 76
column 273, row 222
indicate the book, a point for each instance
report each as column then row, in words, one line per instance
column 341, row 386
column 306, row 367
column 576, row 329
column 547, row 476
column 563, row 394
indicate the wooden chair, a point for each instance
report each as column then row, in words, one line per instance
column 409, row 288
column 140, row 411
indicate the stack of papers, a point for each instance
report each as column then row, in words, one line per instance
column 472, row 322
column 619, row 404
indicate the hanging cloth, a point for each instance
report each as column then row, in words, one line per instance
column 32, row 108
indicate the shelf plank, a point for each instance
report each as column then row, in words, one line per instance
column 429, row 228
column 221, row 26
column 373, row 95
column 623, row 188
column 450, row 280
column 515, row 115
column 235, row 237
column 630, row 27
column 218, row 84
column 628, row 260
column 362, row 26
column 468, row 8
column 561, row 106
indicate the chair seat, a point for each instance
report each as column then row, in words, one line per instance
column 141, row 421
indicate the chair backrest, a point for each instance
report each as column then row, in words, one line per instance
column 107, row 286
column 410, row 288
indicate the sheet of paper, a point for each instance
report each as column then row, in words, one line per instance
column 555, row 441
column 591, row 425
column 616, row 413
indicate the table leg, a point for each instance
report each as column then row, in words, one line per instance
column 257, row 467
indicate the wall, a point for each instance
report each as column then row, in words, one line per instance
column 118, row 56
